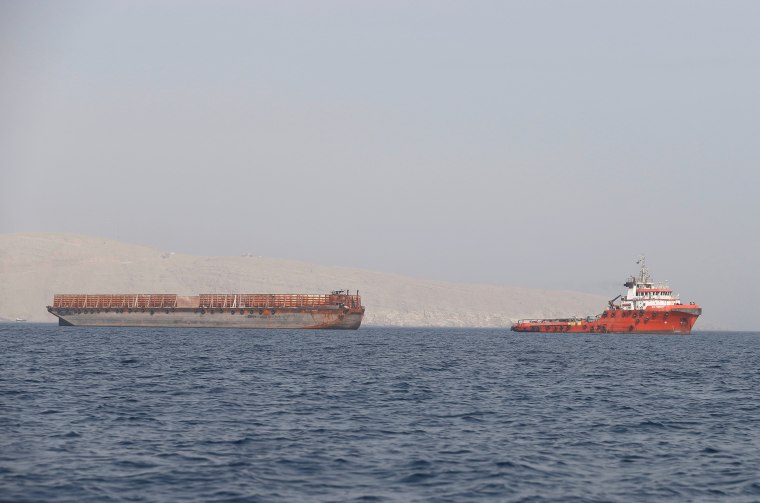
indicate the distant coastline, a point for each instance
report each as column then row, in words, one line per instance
column 37, row 265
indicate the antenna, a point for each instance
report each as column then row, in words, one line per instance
column 644, row 272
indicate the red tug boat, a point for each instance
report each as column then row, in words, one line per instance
column 647, row 308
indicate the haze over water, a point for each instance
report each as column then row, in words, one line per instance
column 376, row 415
column 538, row 144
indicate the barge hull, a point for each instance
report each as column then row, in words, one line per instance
column 336, row 311
column 191, row 318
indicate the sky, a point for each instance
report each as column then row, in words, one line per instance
column 531, row 143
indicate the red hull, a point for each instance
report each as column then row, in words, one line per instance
column 675, row 319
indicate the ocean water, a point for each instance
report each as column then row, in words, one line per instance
column 376, row 415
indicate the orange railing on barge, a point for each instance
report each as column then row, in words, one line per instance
column 258, row 300
column 111, row 301
column 206, row 300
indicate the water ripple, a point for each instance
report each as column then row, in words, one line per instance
column 376, row 415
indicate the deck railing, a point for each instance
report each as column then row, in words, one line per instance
column 557, row 320
column 206, row 300
column 258, row 300
column 111, row 301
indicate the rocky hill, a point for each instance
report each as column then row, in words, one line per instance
column 34, row 266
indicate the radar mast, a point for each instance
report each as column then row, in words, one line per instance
column 644, row 272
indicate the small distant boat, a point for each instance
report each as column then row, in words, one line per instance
column 20, row 319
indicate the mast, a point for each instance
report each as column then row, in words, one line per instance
column 644, row 272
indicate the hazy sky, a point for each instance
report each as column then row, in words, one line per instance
column 532, row 143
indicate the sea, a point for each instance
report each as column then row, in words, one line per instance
column 377, row 414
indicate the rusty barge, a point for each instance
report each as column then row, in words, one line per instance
column 337, row 310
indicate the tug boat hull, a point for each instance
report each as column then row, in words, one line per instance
column 646, row 308
column 615, row 321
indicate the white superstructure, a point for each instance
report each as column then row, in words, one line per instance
column 643, row 292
